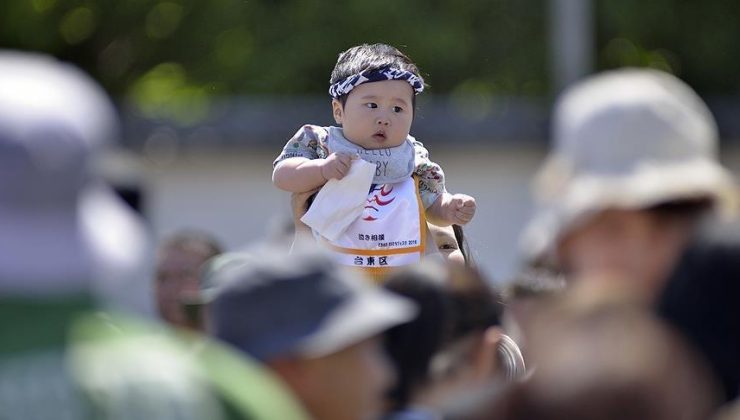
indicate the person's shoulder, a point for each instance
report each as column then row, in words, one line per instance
column 312, row 131
column 701, row 298
column 231, row 373
column 712, row 256
column 141, row 369
column 713, row 248
column 311, row 138
column 414, row 142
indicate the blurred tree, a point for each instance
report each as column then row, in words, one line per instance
column 181, row 51
column 171, row 56
column 696, row 40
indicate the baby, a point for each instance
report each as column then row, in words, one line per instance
column 374, row 90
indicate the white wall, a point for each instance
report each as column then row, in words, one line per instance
column 231, row 196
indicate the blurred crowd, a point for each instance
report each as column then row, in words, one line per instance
column 626, row 305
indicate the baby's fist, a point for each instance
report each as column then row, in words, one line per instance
column 464, row 208
column 337, row 165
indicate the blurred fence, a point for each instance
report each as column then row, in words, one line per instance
column 267, row 122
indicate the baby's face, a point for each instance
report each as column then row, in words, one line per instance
column 377, row 115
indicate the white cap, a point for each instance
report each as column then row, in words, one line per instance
column 63, row 230
column 628, row 139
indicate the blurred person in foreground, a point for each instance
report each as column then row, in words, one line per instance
column 180, row 258
column 456, row 344
column 196, row 304
column 600, row 357
column 701, row 300
column 633, row 171
column 630, row 187
column 71, row 274
column 524, row 297
column 315, row 324
column 731, row 412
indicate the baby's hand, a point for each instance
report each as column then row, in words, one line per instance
column 337, row 165
column 460, row 209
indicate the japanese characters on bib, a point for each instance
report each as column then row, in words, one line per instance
column 390, row 233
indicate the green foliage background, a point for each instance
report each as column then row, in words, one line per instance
column 282, row 46
column 697, row 40
column 178, row 53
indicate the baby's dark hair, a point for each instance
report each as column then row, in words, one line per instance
column 370, row 57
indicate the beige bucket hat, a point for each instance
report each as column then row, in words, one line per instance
column 629, row 139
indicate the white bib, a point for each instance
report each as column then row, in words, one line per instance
column 390, row 233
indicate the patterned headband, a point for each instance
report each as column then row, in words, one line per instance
column 344, row 86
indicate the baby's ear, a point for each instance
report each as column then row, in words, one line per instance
column 337, row 110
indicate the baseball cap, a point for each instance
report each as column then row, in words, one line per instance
column 63, row 230
column 299, row 304
column 627, row 139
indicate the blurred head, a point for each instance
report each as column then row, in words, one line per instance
column 348, row 384
column 315, row 324
column 180, row 258
column 626, row 141
column 411, row 346
column 374, row 89
column 63, row 231
column 455, row 342
column 477, row 335
column 525, row 296
column 635, row 247
column 611, row 362
column 196, row 303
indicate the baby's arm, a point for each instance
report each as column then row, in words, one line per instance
column 299, row 174
column 301, row 167
column 442, row 208
column 450, row 209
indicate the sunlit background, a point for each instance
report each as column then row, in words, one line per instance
column 210, row 90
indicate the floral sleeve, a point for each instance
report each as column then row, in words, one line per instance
column 308, row 142
column 431, row 175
